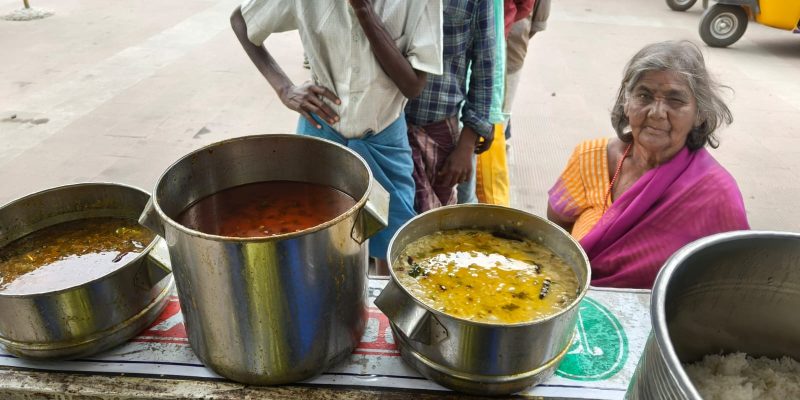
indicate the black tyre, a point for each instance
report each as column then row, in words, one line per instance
column 722, row 25
column 680, row 5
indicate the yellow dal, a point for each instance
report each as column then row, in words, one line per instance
column 478, row 276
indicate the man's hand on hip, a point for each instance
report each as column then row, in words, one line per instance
column 307, row 99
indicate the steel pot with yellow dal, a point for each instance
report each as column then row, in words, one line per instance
column 483, row 299
column 78, row 274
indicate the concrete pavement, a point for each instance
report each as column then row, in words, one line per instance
column 117, row 91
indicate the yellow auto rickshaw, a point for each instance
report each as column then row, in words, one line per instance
column 725, row 22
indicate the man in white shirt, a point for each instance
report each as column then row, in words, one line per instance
column 367, row 58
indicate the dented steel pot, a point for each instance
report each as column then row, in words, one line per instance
column 473, row 357
column 276, row 309
column 95, row 315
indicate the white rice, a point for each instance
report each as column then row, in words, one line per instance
column 741, row 377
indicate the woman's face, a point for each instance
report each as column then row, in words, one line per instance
column 662, row 111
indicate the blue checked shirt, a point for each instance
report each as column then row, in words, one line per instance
column 469, row 45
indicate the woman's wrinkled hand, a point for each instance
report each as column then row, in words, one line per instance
column 307, row 99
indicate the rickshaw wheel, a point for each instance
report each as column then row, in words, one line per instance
column 680, row 5
column 722, row 25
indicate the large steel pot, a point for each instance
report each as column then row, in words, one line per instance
column 473, row 357
column 277, row 309
column 730, row 292
column 97, row 314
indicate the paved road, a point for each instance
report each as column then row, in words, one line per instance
column 116, row 91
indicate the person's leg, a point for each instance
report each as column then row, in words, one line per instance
column 423, row 151
column 517, row 45
column 509, row 152
column 388, row 155
column 446, row 136
column 431, row 145
column 512, row 82
column 492, row 181
column 516, row 50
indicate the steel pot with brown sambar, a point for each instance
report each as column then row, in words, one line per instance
column 66, row 290
column 274, row 304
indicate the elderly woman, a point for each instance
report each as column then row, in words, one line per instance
column 635, row 199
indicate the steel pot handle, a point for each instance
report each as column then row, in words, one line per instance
column 374, row 216
column 412, row 320
column 150, row 219
column 159, row 255
column 155, row 267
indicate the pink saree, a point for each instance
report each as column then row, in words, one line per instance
column 687, row 198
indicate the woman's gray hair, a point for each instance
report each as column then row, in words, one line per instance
column 684, row 58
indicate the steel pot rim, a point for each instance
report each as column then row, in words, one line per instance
column 537, row 321
column 135, row 260
column 658, row 318
column 261, row 239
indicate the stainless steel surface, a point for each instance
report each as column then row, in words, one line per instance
column 95, row 315
column 278, row 309
column 482, row 358
column 737, row 291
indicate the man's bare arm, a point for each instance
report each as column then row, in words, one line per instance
column 305, row 99
column 392, row 61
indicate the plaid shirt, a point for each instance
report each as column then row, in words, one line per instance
column 469, row 44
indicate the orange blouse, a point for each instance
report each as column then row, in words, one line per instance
column 579, row 194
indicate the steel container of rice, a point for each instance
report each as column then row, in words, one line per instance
column 730, row 292
column 478, row 357
column 99, row 312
